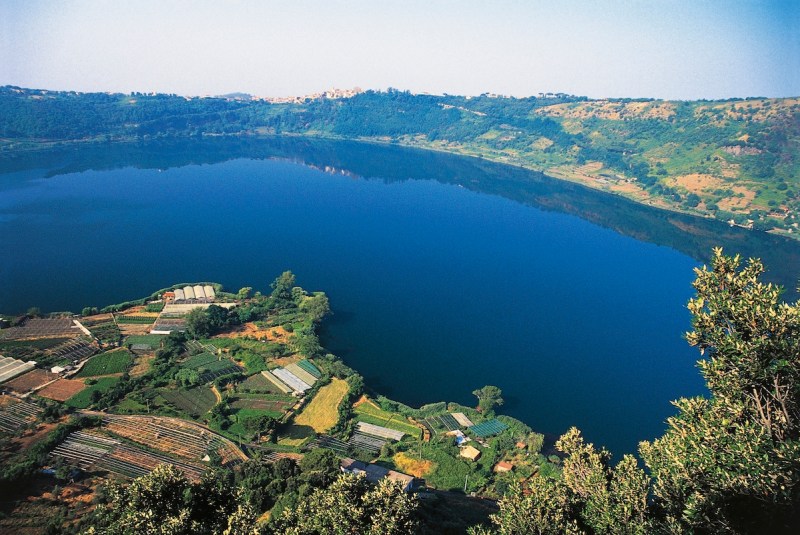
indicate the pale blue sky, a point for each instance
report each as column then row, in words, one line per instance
column 679, row 49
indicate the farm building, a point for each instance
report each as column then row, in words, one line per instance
column 503, row 466
column 10, row 368
column 199, row 292
column 210, row 293
column 489, row 428
column 291, row 380
column 468, row 452
column 179, row 295
column 379, row 431
column 462, row 420
column 188, row 292
column 168, row 297
column 374, row 473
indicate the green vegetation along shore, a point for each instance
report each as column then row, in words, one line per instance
column 735, row 160
column 238, row 421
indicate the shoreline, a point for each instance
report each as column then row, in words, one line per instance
column 9, row 147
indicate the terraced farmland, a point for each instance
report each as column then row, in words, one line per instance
column 182, row 438
column 16, row 415
column 92, row 450
column 193, row 401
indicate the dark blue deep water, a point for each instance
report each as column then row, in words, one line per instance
column 445, row 274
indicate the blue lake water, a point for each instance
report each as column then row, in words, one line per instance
column 445, row 274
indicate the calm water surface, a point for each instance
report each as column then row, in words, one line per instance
column 445, row 274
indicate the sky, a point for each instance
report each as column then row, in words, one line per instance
column 673, row 49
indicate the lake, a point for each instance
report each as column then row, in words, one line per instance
column 445, row 273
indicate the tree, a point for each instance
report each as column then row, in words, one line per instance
column 217, row 318
column 259, row 424
column 317, row 306
column 731, row 463
column 489, row 397
column 187, row 377
column 351, row 505
column 590, row 497
column 244, row 293
column 198, row 324
column 282, row 286
column 165, row 502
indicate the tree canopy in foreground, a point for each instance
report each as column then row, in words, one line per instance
column 729, row 463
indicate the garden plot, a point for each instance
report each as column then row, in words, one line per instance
column 145, row 342
column 198, row 346
column 166, row 325
column 277, row 383
column 257, row 404
column 62, row 389
column 462, row 419
column 41, row 328
column 30, row 381
column 301, row 374
column 179, row 437
column 25, row 349
column 17, row 415
column 441, row 423
column 329, row 443
column 210, row 366
column 489, row 428
column 275, row 456
column 365, row 442
column 291, row 380
column 193, row 401
column 89, row 450
column 310, row 368
column 74, row 350
column 116, row 361
column 257, row 383
column 367, row 411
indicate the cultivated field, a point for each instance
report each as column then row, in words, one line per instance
column 30, row 381
column 368, row 412
column 257, row 383
column 62, row 390
column 41, row 328
column 16, row 415
column 178, row 437
column 193, row 401
column 116, row 361
column 90, row 449
column 83, row 399
column 322, row 412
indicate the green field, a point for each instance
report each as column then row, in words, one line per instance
column 144, row 320
column 201, row 360
column 116, row 361
column 83, row 399
column 193, row 401
column 257, row 383
column 154, row 307
column 370, row 414
column 152, row 340
column 23, row 348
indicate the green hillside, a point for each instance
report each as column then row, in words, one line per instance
column 735, row 160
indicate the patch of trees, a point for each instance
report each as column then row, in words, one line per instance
column 729, row 463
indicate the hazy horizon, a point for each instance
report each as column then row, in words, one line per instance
column 678, row 50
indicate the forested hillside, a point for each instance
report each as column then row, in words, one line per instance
column 735, row 160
